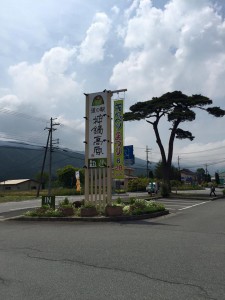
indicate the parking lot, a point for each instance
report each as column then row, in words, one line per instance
column 176, row 205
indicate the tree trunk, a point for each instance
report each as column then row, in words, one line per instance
column 166, row 175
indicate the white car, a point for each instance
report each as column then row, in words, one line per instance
column 151, row 188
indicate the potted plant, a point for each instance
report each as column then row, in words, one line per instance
column 66, row 208
column 88, row 210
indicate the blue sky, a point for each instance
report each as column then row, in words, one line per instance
column 53, row 51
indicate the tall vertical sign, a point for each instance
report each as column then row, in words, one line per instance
column 97, row 156
column 98, row 164
column 118, row 140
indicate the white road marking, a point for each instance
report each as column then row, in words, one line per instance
column 193, row 205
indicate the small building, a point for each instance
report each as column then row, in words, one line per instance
column 19, row 185
column 122, row 184
column 187, row 176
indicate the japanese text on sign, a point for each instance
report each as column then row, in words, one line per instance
column 118, row 140
column 97, row 126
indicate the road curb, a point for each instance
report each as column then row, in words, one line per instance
column 92, row 219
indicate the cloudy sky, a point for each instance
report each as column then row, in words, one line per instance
column 53, row 51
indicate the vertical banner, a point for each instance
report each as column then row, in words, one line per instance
column 118, row 140
column 97, row 153
column 77, row 175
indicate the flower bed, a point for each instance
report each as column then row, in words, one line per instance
column 65, row 209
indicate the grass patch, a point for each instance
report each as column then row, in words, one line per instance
column 189, row 195
column 14, row 198
column 17, row 196
column 187, row 188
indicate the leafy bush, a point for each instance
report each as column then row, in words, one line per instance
column 126, row 210
column 164, row 190
column 115, row 204
column 87, row 205
column 186, row 187
column 141, row 206
column 66, row 176
column 136, row 207
column 175, row 183
column 132, row 200
column 120, row 191
column 119, row 200
column 65, row 203
column 53, row 213
column 44, row 212
column 138, row 184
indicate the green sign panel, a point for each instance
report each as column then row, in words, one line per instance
column 48, row 200
column 97, row 163
column 118, row 140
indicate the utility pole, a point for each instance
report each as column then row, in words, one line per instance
column 43, row 165
column 206, row 171
column 51, row 129
column 178, row 163
column 147, row 161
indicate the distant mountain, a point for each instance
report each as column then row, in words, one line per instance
column 23, row 160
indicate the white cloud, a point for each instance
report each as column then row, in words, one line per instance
column 180, row 47
column 9, row 102
column 115, row 9
column 92, row 48
column 129, row 11
column 70, row 128
column 57, row 60
column 48, row 84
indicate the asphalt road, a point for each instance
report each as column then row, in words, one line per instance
column 179, row 256
column 24, row 205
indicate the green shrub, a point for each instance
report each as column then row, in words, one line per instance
column 118, row 200
column 126, row 210
column 189, row 187
column 141, row 206
column 44, row 212
column 132, row 200
column 175, row 183
column 136, row 207
column 120, row 191
column 87, row 205
column 164, row 190
column 65, row 203
column 138, row 184
column 53, row 213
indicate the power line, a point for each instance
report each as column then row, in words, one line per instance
column 21, row 115
column 29, row 139
column 187, row 153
